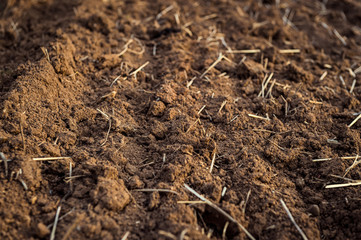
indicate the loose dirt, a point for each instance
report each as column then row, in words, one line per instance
column 116, row 87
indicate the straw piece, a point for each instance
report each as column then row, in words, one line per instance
column 293, row 220
column 229, row 217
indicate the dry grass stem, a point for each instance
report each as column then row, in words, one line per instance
column 198, row 120
column 155, row 190
column 269, row 93
column 316, row 102
column 103, row 113
column 52, row 235
column 242, row 60
column 288, row 51
column 139, row 69
column 200, row 110
column 23, row 183
column 265, row 64
column 191, row 82
column 234, row 118
column 222, row 106
column 46, row 53
column 351, row 72
column 259, row 117
column 225, row 230
column 220, row 58
column 164, row 11
column 293, row 220
column 210, row 16
column 125, row 236
column 2, row 156
column 155, row 49
column 245, row 203
column 356, row 183
column 343, row 178
column 342, row 81
column 353, row 85
column 190, row 202
column 125, row 48
column 22, row 136
column 62, row 217
column 338, row 35
column 354, row 164
column 167, row 234
column 51, row 158
column 109, row 95
column 323, row 75
column 354, row 121
column 357, row 70
column 115, row 80
column 245, row 51
column 221, row 211
column 212, row 163
column 72, row 227
column 107, row 135
column 265, row 84
column 329, row 159
column 182, row 236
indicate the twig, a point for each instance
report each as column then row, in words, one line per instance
column 293, row 220
column 221, row 211
column 52, row 235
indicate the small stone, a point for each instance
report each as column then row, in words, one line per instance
column 135, row 182
column 157, row 108
column 41, row 230
column 314, row 210
column 300, row 183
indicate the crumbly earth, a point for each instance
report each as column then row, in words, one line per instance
column 127, row 90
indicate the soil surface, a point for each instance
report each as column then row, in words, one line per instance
column 135, row 99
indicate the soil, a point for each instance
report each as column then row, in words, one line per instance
column 119, row 88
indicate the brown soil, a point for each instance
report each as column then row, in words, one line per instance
column 66, row 91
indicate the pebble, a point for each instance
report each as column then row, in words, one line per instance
column 314, row 210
